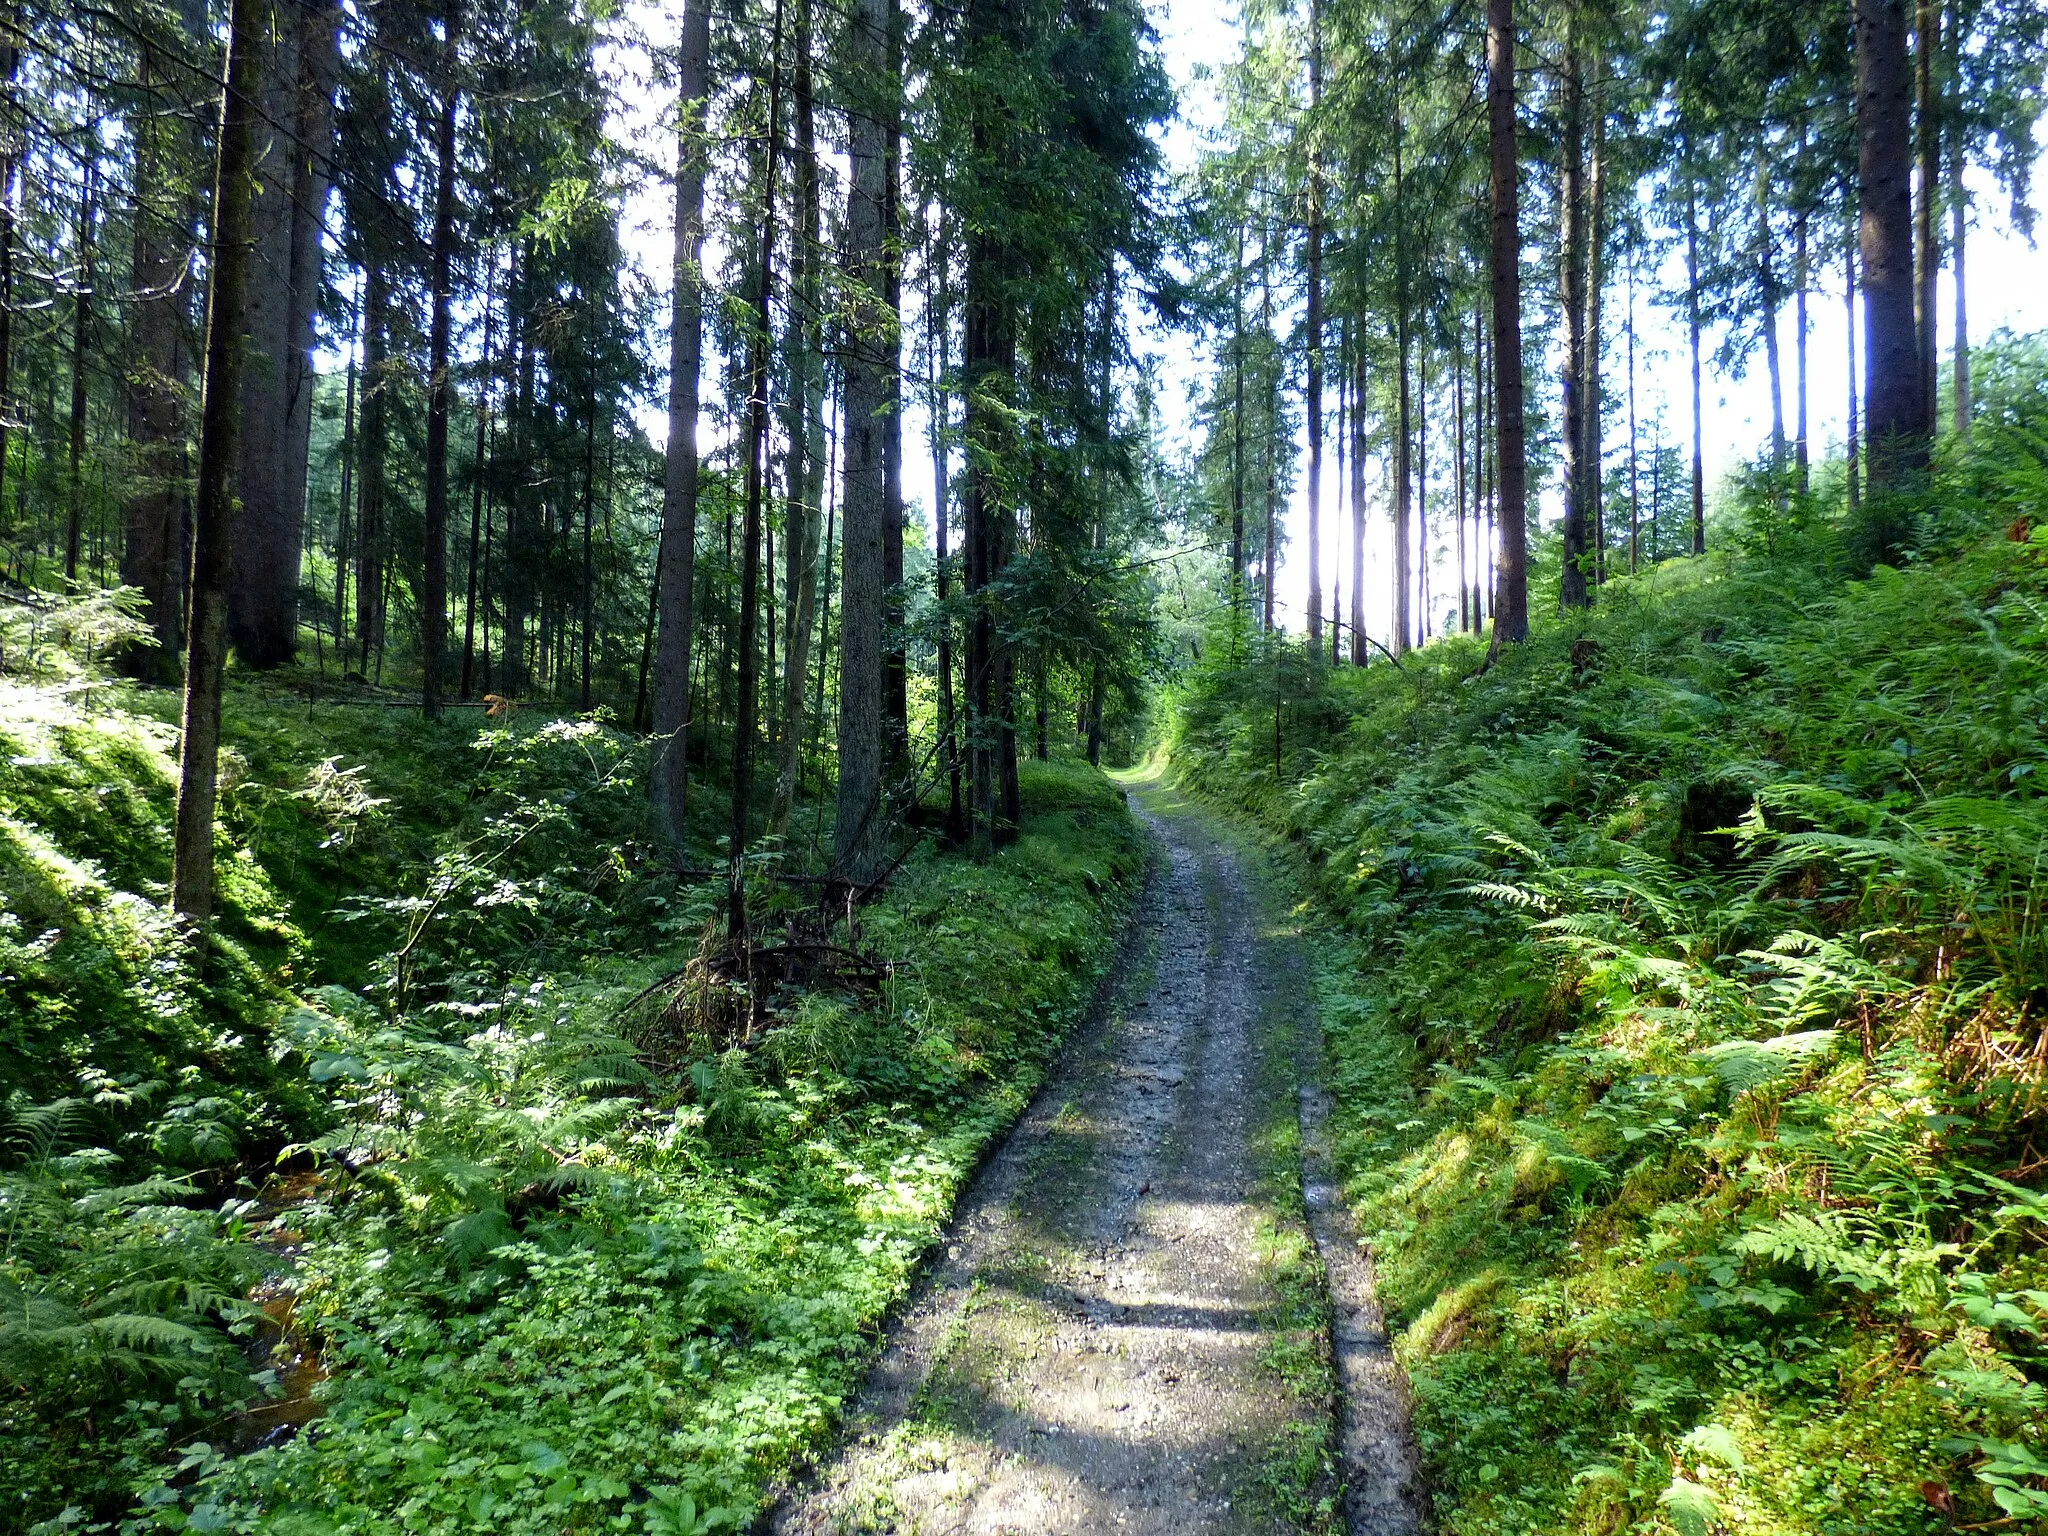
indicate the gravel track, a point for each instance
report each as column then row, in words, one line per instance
column 1108, row 1343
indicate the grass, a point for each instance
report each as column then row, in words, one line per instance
column 553, row 1282
column 1682, row 985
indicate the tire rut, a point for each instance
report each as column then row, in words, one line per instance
column 1098, row 1349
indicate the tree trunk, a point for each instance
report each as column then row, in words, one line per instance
column 1851, row 445
column 745, row 722
column 1767, row 274
column 1801, row 455
column 1358, row 654
column 1596, row 284
column 1481, row 554
column 1237, row 551
column 938, row 336
column 1894, row 410
column 1458, row 448
column 1926, row 245
column 804, row 430
column 1315, row 333
column 10, row 63
column 1571, row 220
column 1959, row 218
column 81, row 336
column 1489, row 459
column 642, row 720
column 290, row 165
column 1635, row 506
column 1337, row 489
column 432, row 604
column 1404, row 621
column 1692, row 330
column 676, row 561
column 344, row 505
column 515, row 565
column 989, row 358
column 1272, row 432
column 587, row 619
column 835, row 411
column 476, row 493
column 484, row 606
column 158, row 362
column 870, row 349
column 1511, row 601
column 895, row 664
column 1422, row 496
column 370, row 538
column 988, row 387
column 213, row 507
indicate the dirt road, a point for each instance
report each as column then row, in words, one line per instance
column 1150, row 1317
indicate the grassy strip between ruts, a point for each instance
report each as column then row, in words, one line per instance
column 548, row 1288
column 1682, row 990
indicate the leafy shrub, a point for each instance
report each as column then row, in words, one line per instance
column 546, row 1287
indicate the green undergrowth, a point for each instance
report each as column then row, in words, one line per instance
column 1684, row 989
column 398, row 1158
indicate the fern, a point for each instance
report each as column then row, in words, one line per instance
column 1743, row 1066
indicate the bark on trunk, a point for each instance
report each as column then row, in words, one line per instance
column 1926, row 247
column 676, row 561
column 1458, row 448
column 990, row 358
column 213, row 503
column 289, row 162
column 870, row 348
column 1358, row 648
column 1404, row 623
column 1511, row 600
column 1894, row 406
column 1272, row 434
column 1959, row 218
column 432, row 605
column 515, row 565
column 895, row 664
column 1692, row 331
column 1767, row 274
column 81, row 335
column 1422, row 496
column 1635, row 506
column 1571, row 218
column 370, row 539
column 1315, row 334
column 1596, row 283
column 1339, row 488
column 1851, row 448
column 344, row 507
column 939, row 334
column 157, row 364
column 1802, row 476
column 804, row 430
column 745, row 720
column 476, row 496
column 1237, row 551
column 10, row 63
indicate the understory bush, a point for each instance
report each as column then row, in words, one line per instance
column 1685, row 1011
column 376, row 1216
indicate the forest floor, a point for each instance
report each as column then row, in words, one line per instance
column 1132, row 1325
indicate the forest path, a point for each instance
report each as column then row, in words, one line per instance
column 1127, row 1331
